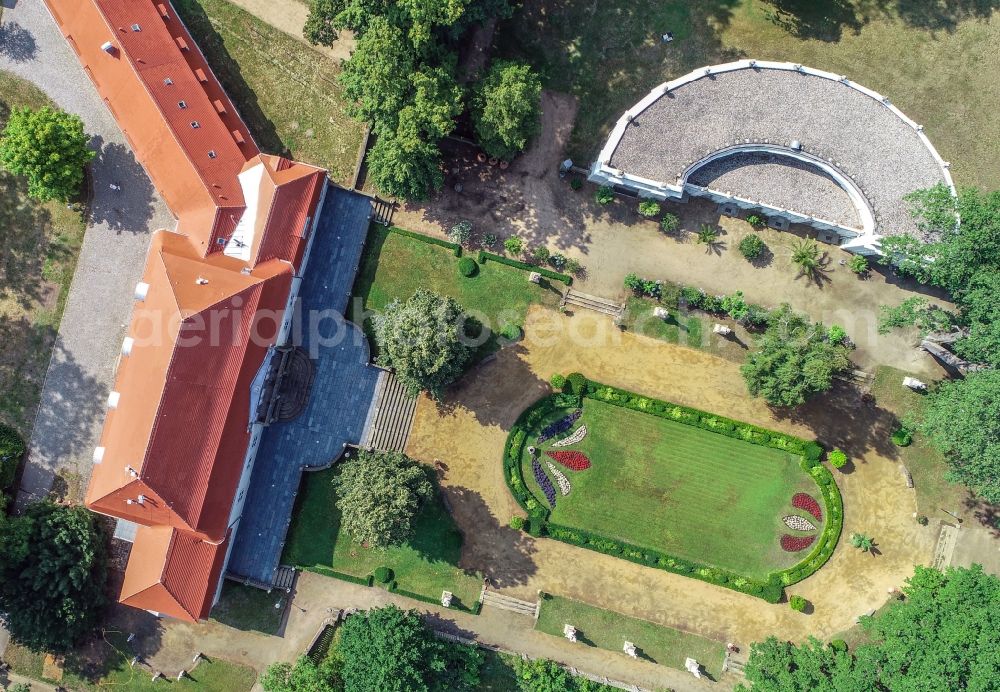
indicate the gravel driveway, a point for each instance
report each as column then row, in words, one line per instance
column 81, row 371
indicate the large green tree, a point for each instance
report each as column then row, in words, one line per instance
column 303, row 676
column 506, row 108
column 423, row 340
column 962, row 418
column 793, row 360
column 49, row 148
column 53, row 567
column 391, row 650
column 379, row 494
column 941, row 636
column 376, row 78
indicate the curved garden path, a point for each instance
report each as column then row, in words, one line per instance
column 467, row 432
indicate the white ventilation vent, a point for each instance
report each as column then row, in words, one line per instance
column 127, row 343
column 201, row 281
column 141, row 289
column 113, row 399
column 98, row 455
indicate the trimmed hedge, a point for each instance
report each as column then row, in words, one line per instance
column 547, row 273
column 11, row 451
column 579, row 387
column 454, row 247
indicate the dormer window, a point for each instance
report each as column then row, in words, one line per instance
column 182, row 104
column 168, row 81
column 212, row 154
column 195, row 124
column 136, row 27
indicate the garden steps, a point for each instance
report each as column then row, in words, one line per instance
column 595, row 303
column 284, row 578
column 515, row 605
column 392, row 416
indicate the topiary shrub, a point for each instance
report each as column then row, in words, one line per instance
column 669, row 223
column 517, row 523
column 902, row 437
column 11, row 451
column 922, row 519
column 510, row 332
column 467, row 267
column 838, row 645
column 557, row 381
column 383, row 575
column 649, row 208
column 813, row 451
column 837, row 459
column 577, row 383
column 605, row 195
column 751, row 246
column 797, row 603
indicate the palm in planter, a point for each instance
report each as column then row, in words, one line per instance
column 862, row 542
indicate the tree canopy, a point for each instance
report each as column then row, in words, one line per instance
column 423, row 341
column 962, row 419
column 49, row 148
column 392, row 650
column 379, row 494
column 303, row 676
column 506, row 108
column 941, row 636
column 793, row 359
column 53, row 567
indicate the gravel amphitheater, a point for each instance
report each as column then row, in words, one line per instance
column 862, row 137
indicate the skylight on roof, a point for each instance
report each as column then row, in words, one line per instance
column 195, row 124
column 182, row 104
column 136, row 27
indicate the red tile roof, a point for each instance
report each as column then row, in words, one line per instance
column 175, row 444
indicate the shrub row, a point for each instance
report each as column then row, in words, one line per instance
column 578, row 386
column 11, row 451
column 454, row 247
column 771, row 591
column 485, row 257
column 327, row 572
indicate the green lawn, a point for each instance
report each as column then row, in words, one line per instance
column 39, row 244
column 607, row 630
column 676, row 488
column 921, row 458
column 936, row 60
column 395, row 266
column 426, row 565
column 248, row 608
column 105, row 665
column 287, row 93
column 679, row 328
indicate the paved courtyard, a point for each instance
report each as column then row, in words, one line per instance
column 71, row 412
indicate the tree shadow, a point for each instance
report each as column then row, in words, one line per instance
column 823, row 20
column 26, row 226
column 937, row 15
column 17, row 44
column 110, row 650
column 126, row 209
column 988, row 515
column 764, row 259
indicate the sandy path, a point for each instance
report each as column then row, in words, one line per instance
column 467, row 434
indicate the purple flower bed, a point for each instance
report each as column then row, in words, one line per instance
column 544, row 482
column 560, row 426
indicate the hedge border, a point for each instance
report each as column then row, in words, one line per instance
column 392, row 587
column 809, row 453
column 454, row 247
column 547, row 273
column 12, row 450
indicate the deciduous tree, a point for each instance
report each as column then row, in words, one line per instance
column 49, row 148
column 303, row 676
column 379, row 494
column 506, row 108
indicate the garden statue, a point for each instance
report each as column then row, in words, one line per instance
column 693, row 667
column 446, row 599
column 629, row 648
column 915, row 384
column 569, row 632
column 535, row 278
column 662, row 313
column 722, row 330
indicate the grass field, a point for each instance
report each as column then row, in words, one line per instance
column 247, row 608
column 679, row 489
column 395, row 266
column 426, row 565
column 287, row 93
column 936, row 60
column 39, row 244
column 107, row 667
column 607, row 630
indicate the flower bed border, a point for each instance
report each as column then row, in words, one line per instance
column 770, row 590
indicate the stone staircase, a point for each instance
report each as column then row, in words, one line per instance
column 595, row 303
column 515, row 605
column 284, row 578
column 392, row 416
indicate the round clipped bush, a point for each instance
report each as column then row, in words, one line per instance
column 517, row 523
column 838, row 645
column 557, row 381
column 510, row 332
column 751, row 246
column 837, row 458
column 922, row 519
column 383, row 575
column 797, row 603
column 902, row 437
column 467, row 267
column 577, row 382
column 605, row 195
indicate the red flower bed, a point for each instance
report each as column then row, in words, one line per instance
column 793, row 544
column 806, row 502
column 577, row 461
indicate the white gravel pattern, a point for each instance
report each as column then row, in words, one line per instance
column 881, row 153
